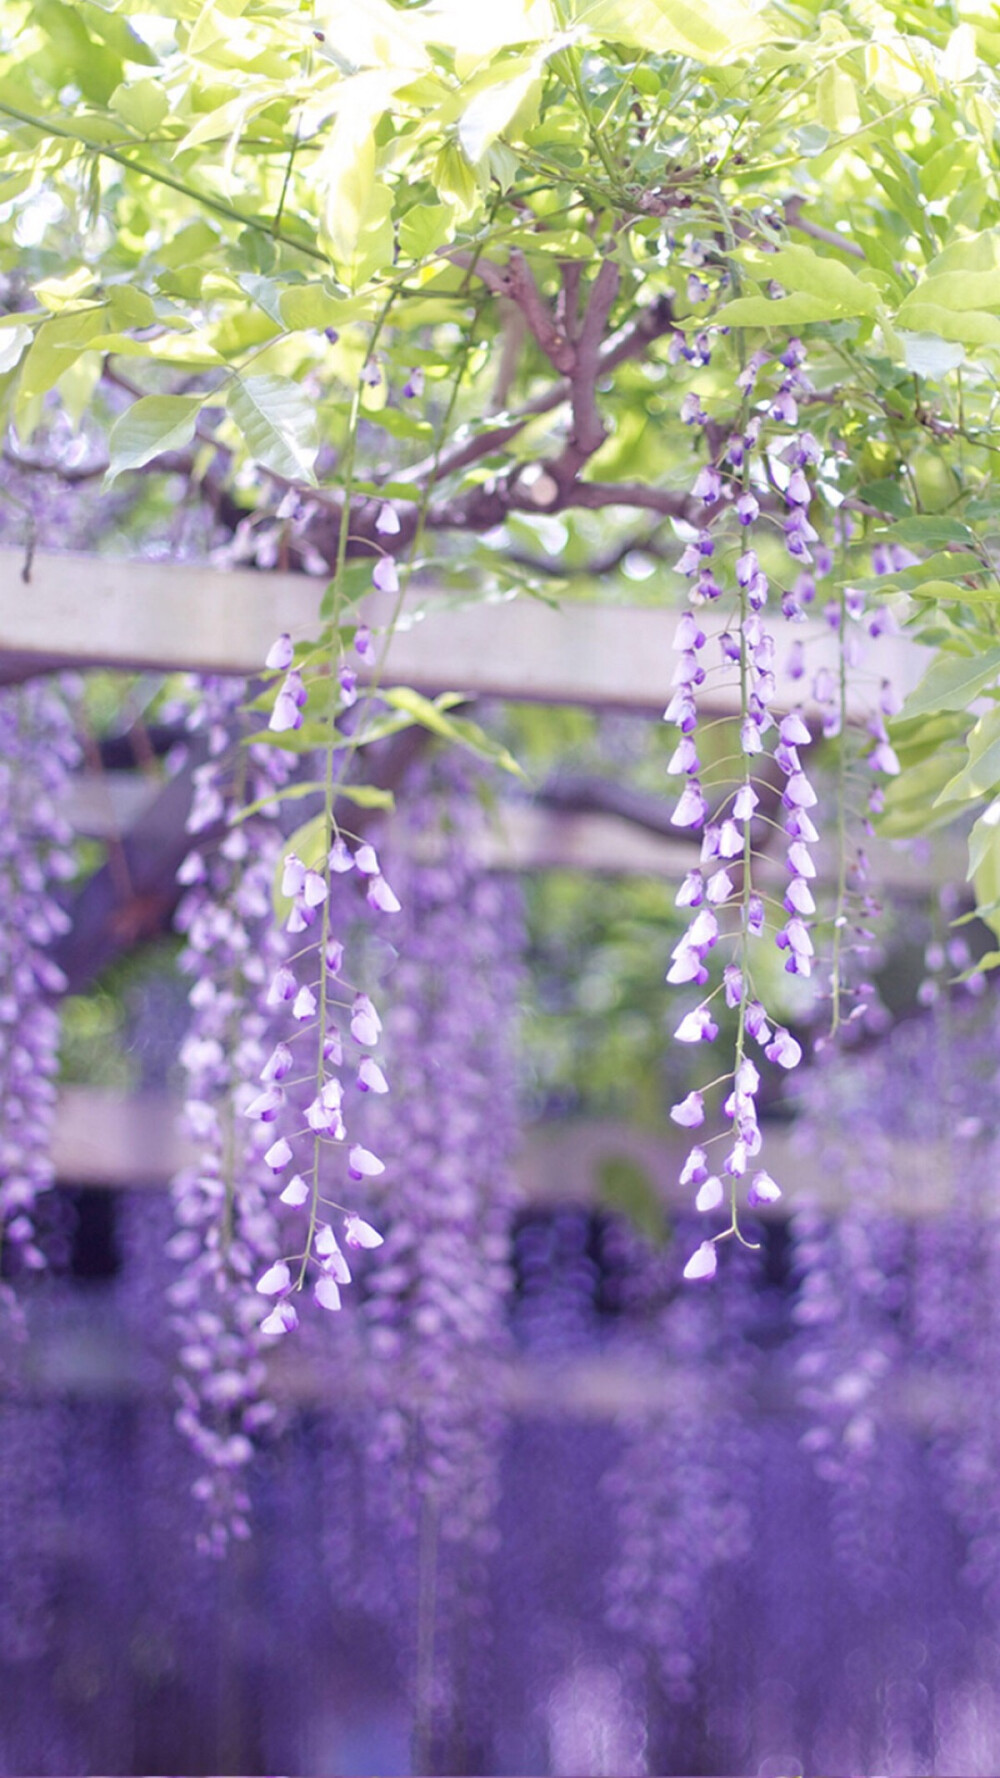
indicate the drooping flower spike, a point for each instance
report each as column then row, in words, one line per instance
column 728, row 912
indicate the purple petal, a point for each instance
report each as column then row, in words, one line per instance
column 703, row 1262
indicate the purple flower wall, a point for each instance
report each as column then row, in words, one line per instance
column 529, row 1504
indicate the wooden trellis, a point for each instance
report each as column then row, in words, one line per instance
column 77, row 611
column 89, row 611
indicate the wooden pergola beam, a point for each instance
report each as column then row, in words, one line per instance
column 528, row 836
column 90, row 610
column 594, row 1387
column 118, row 1142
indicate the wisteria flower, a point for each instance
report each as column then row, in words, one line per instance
column 703, row 1262
column 690, row 1112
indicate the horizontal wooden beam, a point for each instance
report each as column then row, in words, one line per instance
column 104, row 805
column 89, row 610
column 526, row 836
column 115, row 1141
column 84, row 1355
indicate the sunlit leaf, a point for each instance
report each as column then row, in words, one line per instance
column 278, row 423
column 951, row 682
column 720, row 31
column 431, row 715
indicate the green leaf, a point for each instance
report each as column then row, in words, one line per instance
column 278, row 423
column 366, row 796
column 775, row 311
column 355, row 202
column 970, row 327
column 309, row 308
column 56, row 344
column 956, row 290
column 802, row 272
column 492, row 109
column 152, row 425
column 951, row 682
column 885, row 494
column 130, row 307
column 450, row 728
column 955, row 561
column 425, row 228
column 189, row 246
column 719, row 31
column 265, row 292
column 288, row 793
column 915, row 741
column 13, row 341
column 837, row 100
column 985, row 875
column 310, row 842
column 930, row 356
column 981, row 836
column 73, row 292
column 911, row 805
column 142, row 104
column 116, row 32
column 977, row 253
column 924, row 531
column 980, row 776
column 945, row 592
column 812, row 139
column 312, row 737
column 93, row 69
column 989, row 960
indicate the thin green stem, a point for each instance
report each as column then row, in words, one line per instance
column 217, row 205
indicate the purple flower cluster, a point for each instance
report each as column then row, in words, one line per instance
column 292, row 696
column 301, row 1103
column 225, row 1222
column 682, row 1483
column 722, row 883
column 38, row 750
column 895, row 1310
column 436, row 1308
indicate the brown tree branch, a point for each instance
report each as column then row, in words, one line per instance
column 588, row 427
column 630, row 342
column 792, row 208
column 512, row 335
column 568, row 300
column 595, row 567
column 516, row 281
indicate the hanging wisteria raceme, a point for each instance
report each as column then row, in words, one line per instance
column 721, row 890
column 684, row 1481
column 440, row 1294
column 437, row 1303
column 898, row 1331
column 38, row 750
column 226, row 1227
column 765, row 476
column 324, row 1024
column 954, row 1312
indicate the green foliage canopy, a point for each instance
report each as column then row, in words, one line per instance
column 233, row 231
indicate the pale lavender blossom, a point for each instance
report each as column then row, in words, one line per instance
column 691, row 809
column 703, row 1262
column 385, row 575
column 281, row 654
column 690, row 1112
column 358, row 1233
column 697, row 1027
column 762, row 1189
column 38, row 748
